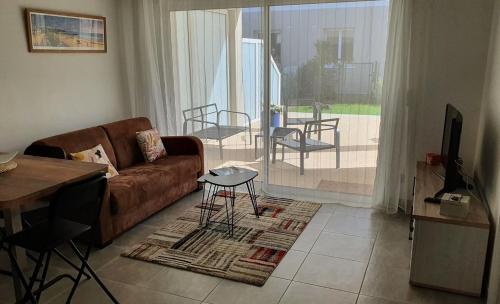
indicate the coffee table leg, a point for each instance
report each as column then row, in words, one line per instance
column 228, row 219
column 212, row 197
column 202, row 208
column 233, row 198
column 253, row 197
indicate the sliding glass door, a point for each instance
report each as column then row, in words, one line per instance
column 331, row 58
column 292, row 91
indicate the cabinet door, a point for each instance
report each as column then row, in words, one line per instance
column 449, row 257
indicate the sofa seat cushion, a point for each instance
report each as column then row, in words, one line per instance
column 142, row 183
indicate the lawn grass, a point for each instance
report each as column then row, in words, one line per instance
column 356, row 109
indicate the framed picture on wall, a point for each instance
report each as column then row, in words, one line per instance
column 59, row 32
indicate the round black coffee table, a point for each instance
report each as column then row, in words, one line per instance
column 225, row 186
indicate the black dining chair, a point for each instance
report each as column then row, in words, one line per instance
column 73, row 213
column 3, row 235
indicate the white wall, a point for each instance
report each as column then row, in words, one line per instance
column 47, row 94
column 449, row 47
column 488, row 147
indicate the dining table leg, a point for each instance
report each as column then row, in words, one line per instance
column 13, row 224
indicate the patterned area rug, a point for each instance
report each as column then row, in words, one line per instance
column 249, row 256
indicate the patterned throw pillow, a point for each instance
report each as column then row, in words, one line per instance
column 151, row 145
column 96, row 155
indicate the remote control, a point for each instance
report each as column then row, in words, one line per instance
column 433, row 200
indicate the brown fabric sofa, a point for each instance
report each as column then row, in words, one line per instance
column 141, row 189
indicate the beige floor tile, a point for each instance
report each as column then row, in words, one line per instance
column 98, row 257
column 182, row 283
column 428, row 296
column 300, row 293
column 320, row 219
column 347, row 224
column 327, row 208
column 7, row 287
column 387, row 282
column 396, row 224
column 307, row 238
column 392, row 283
column 129, row 271
column 359, row 212
column 134, row 236
column 394, row 253
column 371, row 300
column 343, row 246
column 90, row 292
column 331, row 272
column 290, row 264
column 229, row 292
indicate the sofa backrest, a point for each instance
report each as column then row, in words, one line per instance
column 122, row 135
column 80, row 140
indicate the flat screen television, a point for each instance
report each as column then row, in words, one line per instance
column 450, row 149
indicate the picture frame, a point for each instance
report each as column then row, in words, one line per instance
column 63, row 32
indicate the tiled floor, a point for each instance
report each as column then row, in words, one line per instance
column 345, row 256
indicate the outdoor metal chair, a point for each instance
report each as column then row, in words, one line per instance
column 213, row 129
column 301, row 141
column 316, row 111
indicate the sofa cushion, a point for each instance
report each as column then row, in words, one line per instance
column 122, row 135
column 141, row 183
column 95, row 155
column 80, row 140
column 151, row 145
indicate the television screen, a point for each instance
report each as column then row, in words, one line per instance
column 451, row 114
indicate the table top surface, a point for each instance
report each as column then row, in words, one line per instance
column 37, row 177
column 232, row 180
column 427, row 184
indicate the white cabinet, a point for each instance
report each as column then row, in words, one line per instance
column 447, row 253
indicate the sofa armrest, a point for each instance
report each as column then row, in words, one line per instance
column 184, row 145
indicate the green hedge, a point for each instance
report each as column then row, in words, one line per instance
column 359, row 109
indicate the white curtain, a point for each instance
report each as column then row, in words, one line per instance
column 146, row 48
column 396, row 163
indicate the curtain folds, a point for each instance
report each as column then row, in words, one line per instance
column 148, row 70
column 396, row 161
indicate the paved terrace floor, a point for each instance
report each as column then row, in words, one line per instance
column 358, row 157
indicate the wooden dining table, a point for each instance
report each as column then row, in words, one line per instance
column 34, row 180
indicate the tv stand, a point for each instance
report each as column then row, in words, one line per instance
column 447, row 253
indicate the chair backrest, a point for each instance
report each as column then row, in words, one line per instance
column 201, row 112
column 321, row 125
column 80, row 202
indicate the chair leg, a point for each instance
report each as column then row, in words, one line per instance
column 282, row 153
column 16, row 271
column 301, row 163
column 81, row 270
column 70, row 263
column 34, row 276
column 44, row 275
column 337, row 148
column 256, row 146
column 92, row 273
column 220, row 149
column 274, row 150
